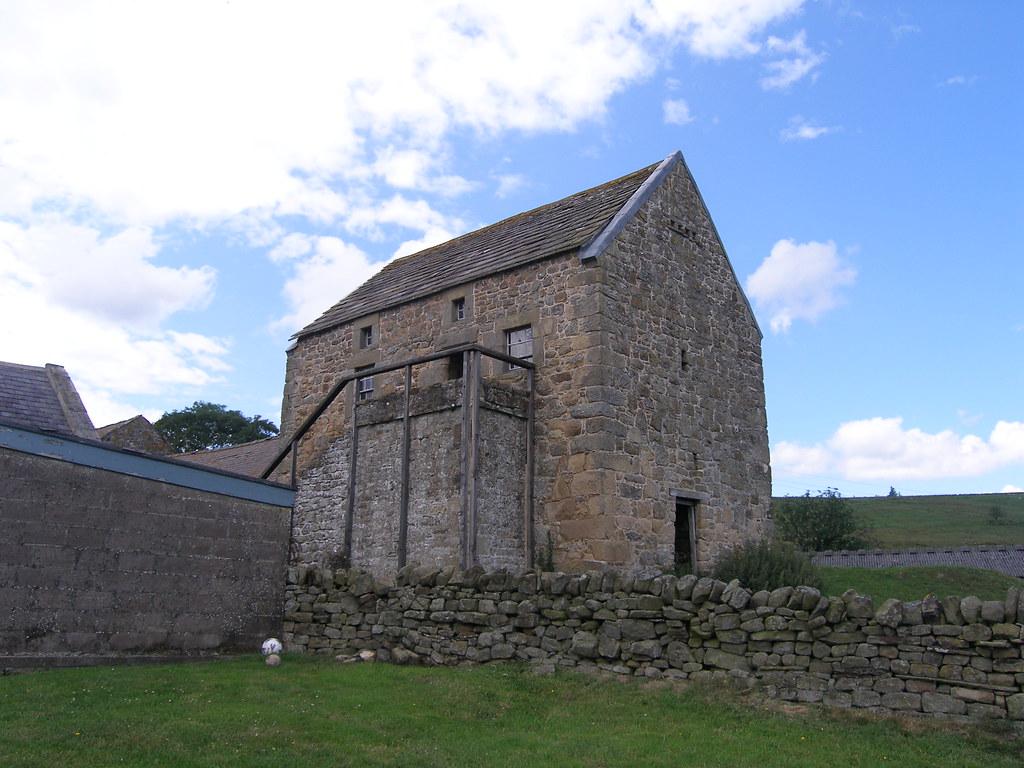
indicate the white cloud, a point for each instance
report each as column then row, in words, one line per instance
column 1011, row 489
column 800, row 129
column 270, row 107
column 97, row 304
column 799, row 281
column 883, row 449
column 321, row 271
column 124, row 121
column 716, row 29
column 969, row 419
column 958, row 80
column 110, row 278
column 784, row 72
column 509, row 183
column 677, row 112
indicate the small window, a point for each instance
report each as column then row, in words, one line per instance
column 520, row 344
column 458, row 309
column 366, row 337
column 364, row 385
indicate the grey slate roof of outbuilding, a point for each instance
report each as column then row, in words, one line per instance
column 42, row 399
column 566, row 225
column 246, row 459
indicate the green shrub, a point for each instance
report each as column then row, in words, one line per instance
column 768, row 565
column 818, row 523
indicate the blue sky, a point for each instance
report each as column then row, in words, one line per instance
column 184, row 185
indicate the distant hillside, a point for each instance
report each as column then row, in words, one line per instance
column 941, row 521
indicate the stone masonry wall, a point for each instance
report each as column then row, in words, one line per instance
column 682, row 399
column 436, row 521
column 959, row 658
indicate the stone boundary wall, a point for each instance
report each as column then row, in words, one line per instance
column 98, row 565
column 959, row 658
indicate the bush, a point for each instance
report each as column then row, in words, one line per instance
column 768, row 565
column 817, row 523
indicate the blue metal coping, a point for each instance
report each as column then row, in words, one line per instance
column 101, row 456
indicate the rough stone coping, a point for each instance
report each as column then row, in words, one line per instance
column 892, row 612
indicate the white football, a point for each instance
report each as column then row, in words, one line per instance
column 271, row 645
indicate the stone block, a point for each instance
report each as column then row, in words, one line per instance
column 970, row 608
column 942, row 703
column 974, row 695
column 993, row 611
column 716, row 658
column 584, row 644
column 890, row 614
column 1015, row 706
column 902, row 701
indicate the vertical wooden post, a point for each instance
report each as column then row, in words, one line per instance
column 474, row 456
column 467, row 363
column 403, row 512
column 353, row 449
column 528, row 537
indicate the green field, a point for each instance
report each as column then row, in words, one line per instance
column 902, row 522
column 917, row 582
column 311, row 712
column 899, row 522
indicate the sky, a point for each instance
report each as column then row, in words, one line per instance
column 184, row 185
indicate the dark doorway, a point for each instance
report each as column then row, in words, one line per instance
column 685, row 544
column 455, row 366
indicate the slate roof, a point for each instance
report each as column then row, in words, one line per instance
column 247, row 459
column 1005, row 559
column 566, row 225
column 43, row 399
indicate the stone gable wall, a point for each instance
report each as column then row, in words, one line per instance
column 959, row 658
column 681, row 403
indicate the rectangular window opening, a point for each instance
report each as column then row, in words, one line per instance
column 519, row 342
column 455, row 366
column 458, row 309
column 364, row 385
column 366, row 337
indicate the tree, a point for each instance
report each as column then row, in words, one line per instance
column 816, row 523
column 208, row 425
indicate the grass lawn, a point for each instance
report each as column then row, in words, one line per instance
column 914, row 583
column 317, row 713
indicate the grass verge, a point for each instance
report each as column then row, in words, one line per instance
column 311, row 712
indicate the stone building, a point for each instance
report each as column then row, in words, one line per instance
column 579, row 386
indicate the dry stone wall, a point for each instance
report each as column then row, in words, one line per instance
column 959, row 658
